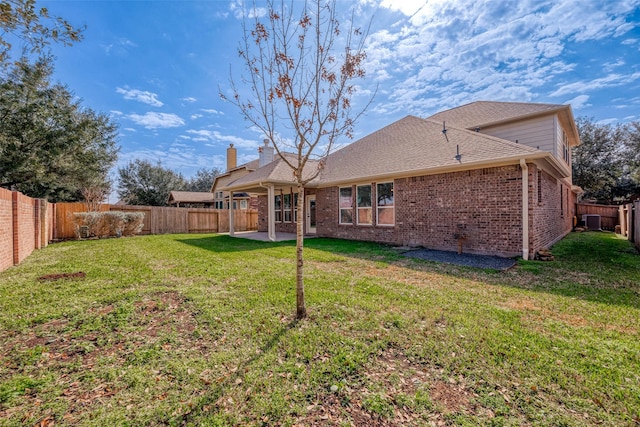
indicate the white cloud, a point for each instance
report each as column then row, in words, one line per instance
column 189, row 99
column 140, row 96
column 153, row 120
column 212, row 111
column 242, row 9
column 580, row 101
column 195, row 116
column 217, row 137
column 456, row 51
column 611, row 80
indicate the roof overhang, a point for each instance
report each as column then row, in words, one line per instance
column 543, row 157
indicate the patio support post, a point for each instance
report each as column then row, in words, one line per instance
column 231, row 225
column 271, row 216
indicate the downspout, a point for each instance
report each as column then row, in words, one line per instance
column 525, row 209
column 271, row 211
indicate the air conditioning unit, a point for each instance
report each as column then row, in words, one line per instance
column 592, row 221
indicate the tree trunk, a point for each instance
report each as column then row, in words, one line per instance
column 301, row 310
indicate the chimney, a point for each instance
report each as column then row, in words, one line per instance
column 266, row 154
column 232, row 157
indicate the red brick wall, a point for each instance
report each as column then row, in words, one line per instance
column 25, row 225
column 6, row 229
column 483, row 205
column 551, row 207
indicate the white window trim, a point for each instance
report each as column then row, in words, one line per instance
column 340, row 208
column 393, row 207
column 364, row 224
column 285, row 209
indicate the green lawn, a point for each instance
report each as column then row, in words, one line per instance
column 199, row 330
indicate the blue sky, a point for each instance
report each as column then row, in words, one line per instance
column 156, row 66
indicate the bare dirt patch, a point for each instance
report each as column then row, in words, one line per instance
column 408, row 393
column 63, row 349
column 59, row 276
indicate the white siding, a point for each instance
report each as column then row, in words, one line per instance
column 540, row 132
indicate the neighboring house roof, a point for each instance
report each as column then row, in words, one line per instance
column 190, row 197
column 482, row 114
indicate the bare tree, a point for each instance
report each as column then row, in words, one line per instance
column 301, row 68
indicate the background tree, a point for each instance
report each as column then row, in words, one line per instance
column 50, row 147
column 598, row 163
column 34, row 28
column 632, row 151
column 301, row 69
column 203, row 180
column 142, row 183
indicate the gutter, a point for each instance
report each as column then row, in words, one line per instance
column 525, row 209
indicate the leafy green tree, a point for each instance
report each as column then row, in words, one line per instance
column 203, row 180
column 598, row 163
column 33, row 28
column 632, row 150
column 50, row 146
column 142, row 183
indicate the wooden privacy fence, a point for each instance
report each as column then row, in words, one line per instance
column 630, row 222
column 162, row 220
column 608, row 214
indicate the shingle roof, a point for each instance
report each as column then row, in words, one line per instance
column 190, row 196
column 485, row 113
column 413, row 145
column 275, row 172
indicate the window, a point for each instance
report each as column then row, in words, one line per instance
column 539, row 186
column 386, row 214
column 287, row 207
column 295, row 207
column 278, row 207
column 243, row 204
column 364, row 204
column 346, row 205
column 565, row 147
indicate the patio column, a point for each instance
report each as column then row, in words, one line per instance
column 271, row 213
column 231, row 225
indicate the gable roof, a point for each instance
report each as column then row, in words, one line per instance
column 413, row 146
column 486, row 113
column 276, row 172
column 190, row 197
column 249, row 166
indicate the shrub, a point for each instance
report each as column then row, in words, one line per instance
column 107, row 224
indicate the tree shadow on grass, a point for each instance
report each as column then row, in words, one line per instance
column 597, row 267
column 230, row 380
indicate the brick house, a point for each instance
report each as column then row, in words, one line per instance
column 486, row 177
